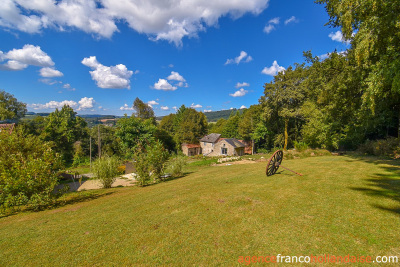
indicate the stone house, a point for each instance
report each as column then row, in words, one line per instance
column 191, row 149
column 208, row 142
column 228, row 147
column 214, row 145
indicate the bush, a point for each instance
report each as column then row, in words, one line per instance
column 300, row 146
column 175, row 165
column 389, row 147
column 142, row 166
column 28, row 172
column 150, row 163
column 106, row 170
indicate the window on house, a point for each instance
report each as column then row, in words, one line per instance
column 224, row 151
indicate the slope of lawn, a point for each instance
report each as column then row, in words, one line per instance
column 342, row 205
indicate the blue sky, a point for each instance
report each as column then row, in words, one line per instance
column 98, row 56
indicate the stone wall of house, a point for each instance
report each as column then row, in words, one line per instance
column 223, row 144
column 206, row 147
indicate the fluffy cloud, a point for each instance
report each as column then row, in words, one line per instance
column 239, row 93
column 175, row 76
column 238, row 85
column 152, row 103
column 243, row 107
column 83, row 104
column 243, row 57
column 164, row 85
column 126, row 107
column 86, row 103
column 196, row 106
column 273, row 70
column 161, row 20
column 207, row 110
column 271, row 25
column 338, row 37
column 116, row 77
column 19, row 59
column 50, row 72
column 290, row 20
column 164, row 108
column 49, row 81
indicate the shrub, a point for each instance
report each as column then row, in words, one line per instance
column 106, row 170
column 157, row 156
column 150, row 163
column 175, row 165
column 300, row 146
column 28, row 171
column 142, row 166
column 389, row 147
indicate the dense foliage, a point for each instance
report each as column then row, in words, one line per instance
column 10, row 108
column 28, row 168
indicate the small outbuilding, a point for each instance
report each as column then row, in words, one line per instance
column 191, row 149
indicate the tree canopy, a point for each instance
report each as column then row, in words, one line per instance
column 10, row 107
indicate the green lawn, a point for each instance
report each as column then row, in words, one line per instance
column 342, row 205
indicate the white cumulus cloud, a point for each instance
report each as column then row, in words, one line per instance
column 19, row 59
column 239, row 93
column 244, row 84
column 116, row 77
column 243, row 107
column 164, row 85
column 159, row 19
column 164, row 108
column 175, row 76
column 273, row 70
column 152, row 103
column 196, row 106
column 243, row 57
column 83, row 104
column 50, row 72
column 86, row 103
column 126, row 107
column 338, row 37
column 207, row 110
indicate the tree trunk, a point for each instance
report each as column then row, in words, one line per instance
column 286, row 133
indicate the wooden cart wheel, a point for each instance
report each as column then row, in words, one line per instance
column 274, row 162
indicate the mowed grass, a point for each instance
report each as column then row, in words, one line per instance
column 213, row 215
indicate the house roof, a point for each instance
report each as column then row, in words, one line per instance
column 211, row 138
column 234, row 142
column 191, row 145
column 7, row 127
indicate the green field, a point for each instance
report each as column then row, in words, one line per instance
column 214, row 214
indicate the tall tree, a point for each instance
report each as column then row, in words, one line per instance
column 283, row 98
column 10, row 108
column 192, row 126
column 374, row 30
column 64, row 128
column 143, row 110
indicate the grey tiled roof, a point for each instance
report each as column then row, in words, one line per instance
column 211, row 138
column 234, row 142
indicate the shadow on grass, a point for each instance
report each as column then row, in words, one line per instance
column 381, row 185
column 69, row 198
column 168, row 179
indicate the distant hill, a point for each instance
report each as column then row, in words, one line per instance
column 214, row 116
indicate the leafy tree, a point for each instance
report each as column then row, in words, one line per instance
column 133, row 133
column 217, row 127
column 231, row 127
column 283, row 98
column 10, row 108
column 28, row 169
column 192, row 125
column 64, row 128
column 250, row 118
column 106, row 170
column 167, row 123
column 143, row 110
column 373, row 28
